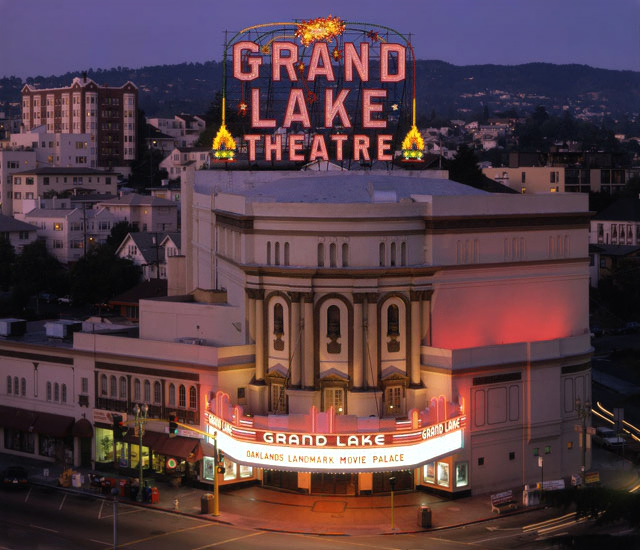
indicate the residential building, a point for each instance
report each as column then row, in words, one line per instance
column 29, row 185
column 184, row 129
column 145, row 213
column 149, row 251
column 17, row 232
column 107, row 114
column 12, row 161
column 184, row 159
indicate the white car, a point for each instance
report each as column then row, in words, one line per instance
column 607, row 437
column 64, row 299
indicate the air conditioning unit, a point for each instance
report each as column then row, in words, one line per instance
column 62, row 329
column 13, row 327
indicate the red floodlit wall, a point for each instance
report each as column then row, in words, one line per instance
column 487, row 313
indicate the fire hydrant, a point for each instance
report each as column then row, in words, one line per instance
column 176, row 504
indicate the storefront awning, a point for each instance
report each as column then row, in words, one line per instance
column 178, row 447
column 203, row 449
column 53, row 425
column 18, row 419
column 149, row 438
column 83, row 428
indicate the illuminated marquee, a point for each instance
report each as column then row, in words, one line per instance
column 404, row 448
column 329, row 106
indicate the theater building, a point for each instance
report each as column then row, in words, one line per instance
column 363, row 326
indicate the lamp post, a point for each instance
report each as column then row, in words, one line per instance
column 583, row 412
column 114, row 494
column 392, row 482
column 141, row 419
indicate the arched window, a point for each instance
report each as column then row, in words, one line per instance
column 278, row 319
column 277, row 254
column 332, row 255
column 333, row 321
column 182, row 397
column 393, row 320
column 193, row 398
column 147, row 391
column 286, row 253
column 103, row 384
column 23, row 382
column 16, row 386
column 9, row 384
column 345, row 255
column 172, row 395
column 64, row 393
column 157, row 392
column 56, row 392
column 268, row 252
column 123, row 388
column 393, row 254
column 48, row 391
column 403, row 254
column 381, row 252
column 320, row 254
column 113, row 389
column 136, row 390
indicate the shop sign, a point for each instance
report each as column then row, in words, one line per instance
column 394, row 450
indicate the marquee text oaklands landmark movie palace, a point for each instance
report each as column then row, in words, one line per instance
column 359, row 319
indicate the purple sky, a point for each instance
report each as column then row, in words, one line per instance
column 45, row 37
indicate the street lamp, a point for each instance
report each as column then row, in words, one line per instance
column 583, row 413
column 141, row 419
column 392, row 482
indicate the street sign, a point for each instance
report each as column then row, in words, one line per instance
column 591, row 430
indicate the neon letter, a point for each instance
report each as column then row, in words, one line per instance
column 339, row 139
column 318, row 148
column 361, row 62
column 253, row 61
column 255, row 112
column 360, row 145
column 277, row 60
column 332, row 109
column 384, row 144
column 296, row 98
column 385, row 50
column 368, row 108
column 252, row 139
column 320, row 52
column 295, row 146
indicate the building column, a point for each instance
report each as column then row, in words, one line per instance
column 416, row 332
column 371, row 341
column 358, row 342
column 308, row 381
column 425, row 333
column 259, row 335
column 295, row 346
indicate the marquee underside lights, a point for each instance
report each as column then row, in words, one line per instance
column 407, row 447
column 336, row 88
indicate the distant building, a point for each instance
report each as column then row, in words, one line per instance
column 12, row 161
column 17, row 232
column 184, row 129
column 107, row 114
column 144, row 213
column 184, row 159
column 149, row 251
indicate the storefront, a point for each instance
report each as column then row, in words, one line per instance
column 45, row 436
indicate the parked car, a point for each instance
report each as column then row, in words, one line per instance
column 64, row 299
column 631, row 327
column 47, row 297
column 15, row 477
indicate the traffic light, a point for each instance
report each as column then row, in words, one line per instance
column 173, row 427
column 220, row 467
column 119, row 429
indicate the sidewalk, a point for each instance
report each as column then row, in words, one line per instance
column 264, row 509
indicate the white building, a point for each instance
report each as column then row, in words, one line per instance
column 144, row 212
column 185, row 129
column 57, row 149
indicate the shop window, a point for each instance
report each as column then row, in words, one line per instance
column 172, row 395
column 182, row 397
column 481, row 461
column 113, row 387
column 512, row 455
column 193, row 398
column 462, row 474
column 278, row 398
column 443, row 474
column 333, row 329
column 157, row 392
column 429, row 472
column 136, row 390
column 103, row 384
column 123, row 388
column 147, row 391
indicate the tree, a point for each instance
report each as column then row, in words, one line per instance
column 464, row 167
column 100, row 276
column 7, row 260
column 118, row 233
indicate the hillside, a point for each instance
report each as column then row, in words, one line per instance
column 454, row 92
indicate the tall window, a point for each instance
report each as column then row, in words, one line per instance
column 23, row 382
column 286, row 253
column 393, row 320
column 113, row 387
column 147, row 391
column 56, row 392
column 403, row 253
column 123, row 388
column 393, row 400
column 268, row 252
column 172, row 395
column 136, row 390
column 320, row 254
column 16, row 386
column 103, row 384
column 381, row 253
column 278, row 319
column 48, row 391
column 182, row 397
column 332, row 255
column 345, row 255
column 157, row 392
column 334, row 397
column 9, row 384
column 193, row 398
column 64, row 393
column 277, row 259
column 278, row 404
column 393, row 254
column 333, row 329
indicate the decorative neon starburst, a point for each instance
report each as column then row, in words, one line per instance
column 321, row 29
column 413, row 145
column 224, row 146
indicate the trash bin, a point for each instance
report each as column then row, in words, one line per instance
column 155, row 495
column 206, row 503
column 424, row 517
